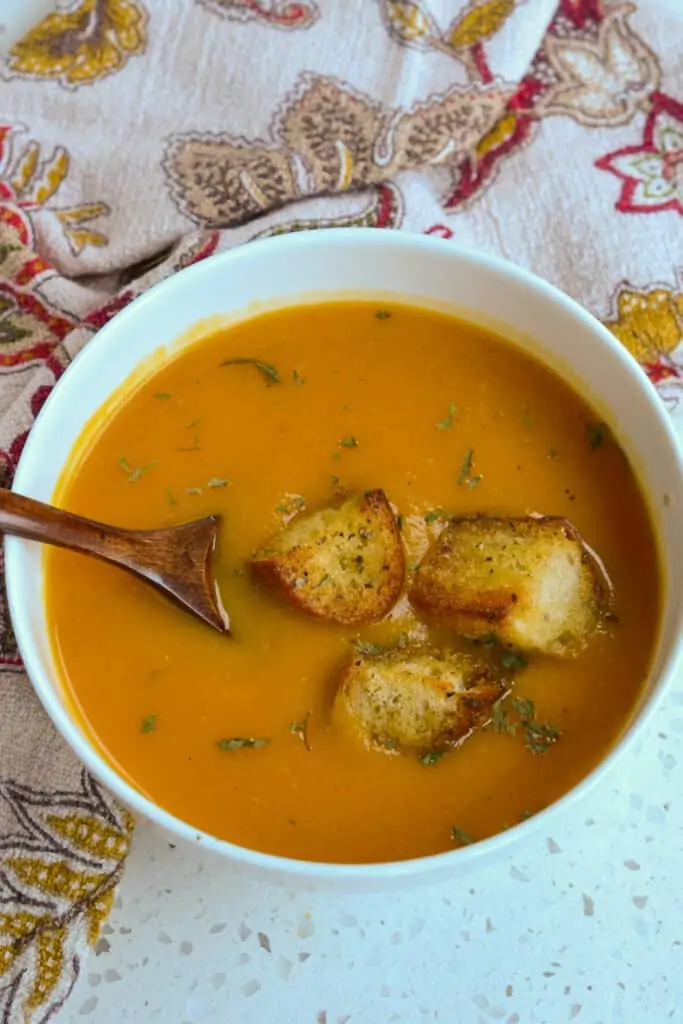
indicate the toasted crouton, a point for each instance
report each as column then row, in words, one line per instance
column 342, row 564
column 409, row 698
column 532, row 582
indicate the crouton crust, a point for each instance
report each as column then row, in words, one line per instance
column 343, row 564
column 415, row 699
column 531, row 581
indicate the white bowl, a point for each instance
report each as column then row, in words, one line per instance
column 326, row 264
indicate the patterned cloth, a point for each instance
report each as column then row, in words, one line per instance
column 138, row 137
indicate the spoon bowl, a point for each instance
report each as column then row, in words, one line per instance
column 177, row 561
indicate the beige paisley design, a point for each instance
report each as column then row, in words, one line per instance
column 327, row 138
column 603, row 81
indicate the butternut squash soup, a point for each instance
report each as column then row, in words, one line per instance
column 440, row 570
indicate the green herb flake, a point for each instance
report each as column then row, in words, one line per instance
column 217, row 481
column 149, row 723
column 436, row 513
column 552, row 454
column 324, row 579
column 447, row 423
column 162, row 396
column 459, row 836
column 596, row 434
column 368, row 647
column 525, row 815
column 335, row 480
column 241, row 743
column 526, row 422
column 300, row 729
column 489, row 640
column 382, row 314
column 432, row 757
column 540, row 737
column 267, row 370
column 134, row 474
column 348, row 442
column 525, row 709
column 171, row 499
column 466, row 467
column 512, row 660
column 474, row 481
column 500, row 721
column 297, row 378
column 399, row 523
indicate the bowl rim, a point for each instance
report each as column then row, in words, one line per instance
column 133, row 798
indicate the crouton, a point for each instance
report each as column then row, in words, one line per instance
column 342, row 564
column 413, row 699
column 530, row 581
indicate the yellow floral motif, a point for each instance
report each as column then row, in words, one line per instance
column 480, row 23
column 648, row 324
column 50, row 953
column 35, row 182
column 408, row 21
column 85, row 833
column 83, row 45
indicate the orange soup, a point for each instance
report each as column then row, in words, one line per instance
column 314, row 402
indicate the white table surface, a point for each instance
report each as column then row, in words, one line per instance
column 582, row 925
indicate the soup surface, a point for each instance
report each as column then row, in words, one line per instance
column 441, row 415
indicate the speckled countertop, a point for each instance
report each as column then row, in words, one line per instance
column 585, row 924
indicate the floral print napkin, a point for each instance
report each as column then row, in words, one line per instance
column 138, row 136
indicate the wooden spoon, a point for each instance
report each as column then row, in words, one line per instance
column 176, row 561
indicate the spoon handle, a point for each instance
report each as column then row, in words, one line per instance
column 33, row 520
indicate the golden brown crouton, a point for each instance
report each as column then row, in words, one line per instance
column 409, row 698
column 342, row 564
column 530, row 581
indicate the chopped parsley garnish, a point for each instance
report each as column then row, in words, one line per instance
column 436, row 513
column 149, row 723
column 552, row 454
column 191, row 426
column 217, row 481
column 399, row 523
column 525, row 709
column 324, row 579
column 368, row 647
column 596, row 434
column 267, row 370
column 540, row 736
column 335, row 480
column 171, row 499
column 297, row 378
column 300, row 729
column 512, row 659
column 349, row 442
column 432, row 757
column 447, row 423
column 526, row 421
column 459, row 836
column 241, row 743
column 500, row 721
column 466, row 467
column 473, row 481
column 489, row 640
column 382, row 314
column 163, row 396
column 134, row 474
column 291, row 504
